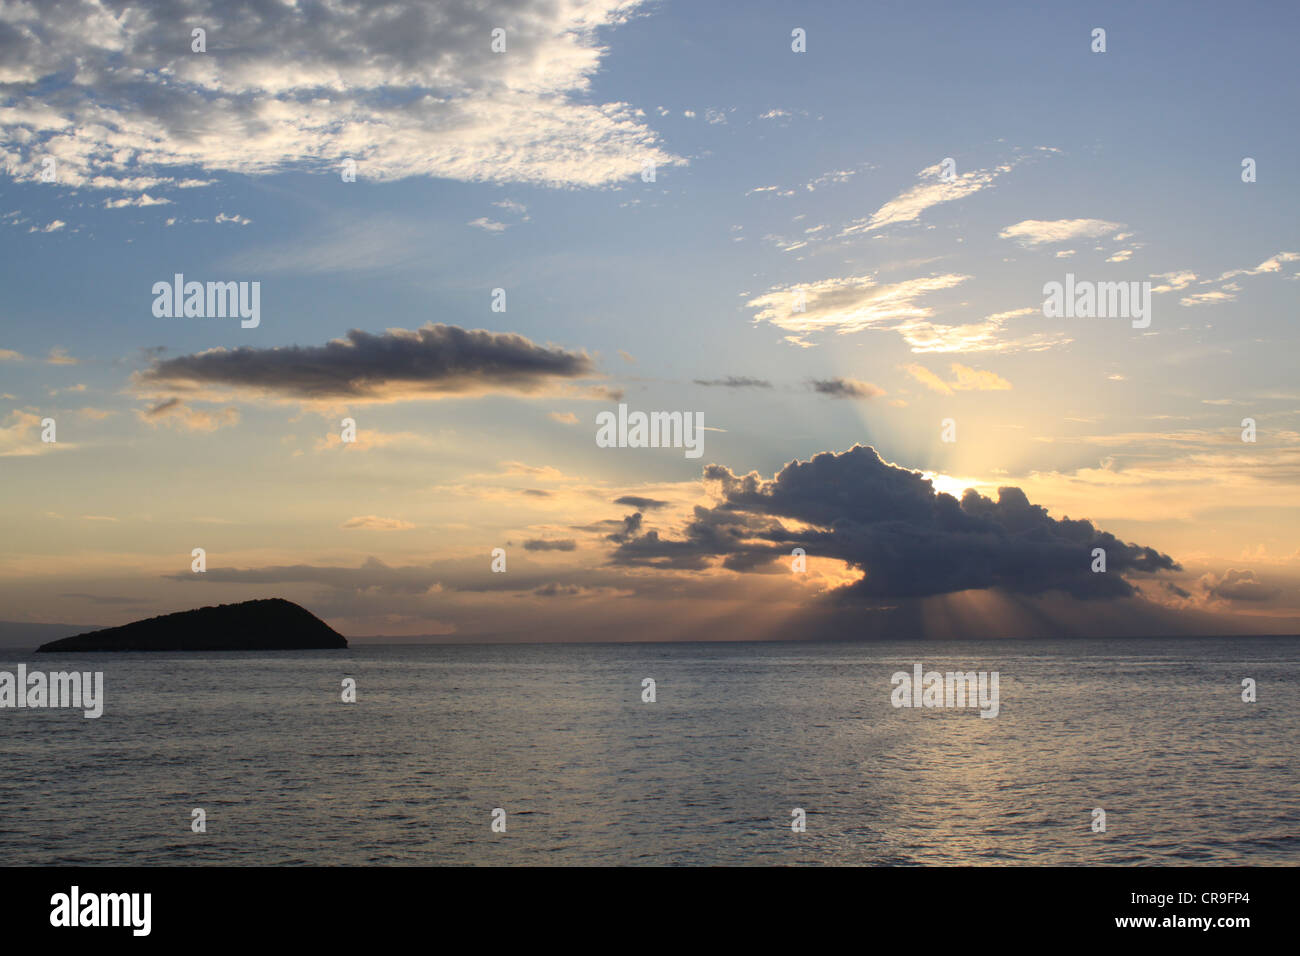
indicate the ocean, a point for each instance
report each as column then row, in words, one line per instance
column 1152, row 732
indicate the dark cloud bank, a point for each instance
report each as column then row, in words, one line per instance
column 889, row 523
column 432, row 360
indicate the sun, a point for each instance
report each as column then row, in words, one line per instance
column 950, row 484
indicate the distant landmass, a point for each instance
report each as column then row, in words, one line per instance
column 26, row 635
column 272, row 624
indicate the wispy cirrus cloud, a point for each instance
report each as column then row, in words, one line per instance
column 857, row 303
column 966, row 379
column 377, row 523
column 1269, row 265
column 1174, row 281
column 993, row 334
column 175, row 413
column 931, row 191
column 849, row 304
column 1180, row 279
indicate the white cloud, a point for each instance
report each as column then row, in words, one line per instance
column 119, row 99
column 1173, row 281
column 1204, row 298
column 20, row 435
column 1037, row 232
column 931, row 191
column 1273, row 264
column 967, row 379
column 849, row 304
column 144, row 199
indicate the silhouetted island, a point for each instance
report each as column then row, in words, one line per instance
column 273, row 624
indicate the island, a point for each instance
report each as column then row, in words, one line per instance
column 271, row 624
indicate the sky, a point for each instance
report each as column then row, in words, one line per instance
column 837, row 257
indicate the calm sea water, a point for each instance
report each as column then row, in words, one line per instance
column 1154, row 732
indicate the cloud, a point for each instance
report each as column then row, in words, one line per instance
column 373, row 574
column 889, row 523
column 20, row 435
column 540, row 472
column 144, row 199
column 1179, row 280
column 639, row 503
column 1272, row 264
column 59, row 356
column 487, row 225
column 174, row 412
column 1173, row 281
column 1234, row 585
column 849, row 304
column 734, row 381
column 96, row 414
column 564, row 418
column 376, row 523
column 628, row 532
column 104, row 599
column 555, row 589
column 928, row 379
column 407, row 90
column 967, row 380
column 1204, row 298
column 9, row 355
column 990, row 335
column 931, row 191
column 368, row 438
column 1037, row 232
column 434, row 361
column 856, row 303
column 845, row 388
column 541, row 544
